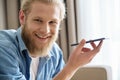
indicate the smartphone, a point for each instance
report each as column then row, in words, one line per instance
column 90, row 41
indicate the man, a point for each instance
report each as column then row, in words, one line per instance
column 30, row 53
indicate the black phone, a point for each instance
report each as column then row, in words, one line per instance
column 90, row 41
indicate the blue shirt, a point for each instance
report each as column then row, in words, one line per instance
column 15, row 60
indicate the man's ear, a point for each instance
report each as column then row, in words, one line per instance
column 21, row 17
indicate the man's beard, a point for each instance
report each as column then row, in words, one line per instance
column 34, row 50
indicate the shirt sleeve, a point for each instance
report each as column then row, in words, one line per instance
column 60, row 66
column 58, row 58
column 9, row 67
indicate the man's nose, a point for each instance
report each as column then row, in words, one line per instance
column 44, row 29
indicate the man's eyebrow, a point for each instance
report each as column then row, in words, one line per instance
column 38, row 17
column 54, row 19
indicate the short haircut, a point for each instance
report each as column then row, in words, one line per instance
column 26, row 6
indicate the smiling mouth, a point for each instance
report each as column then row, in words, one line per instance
column 41, row 36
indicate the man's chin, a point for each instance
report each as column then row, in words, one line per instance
column 43, row 50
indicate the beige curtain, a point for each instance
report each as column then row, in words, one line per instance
column 2, row 15
column 9, row 14
column 68, row 32
column 71, row 24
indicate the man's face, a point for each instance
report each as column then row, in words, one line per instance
column 40, row 28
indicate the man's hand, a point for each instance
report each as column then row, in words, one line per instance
column 82, row 55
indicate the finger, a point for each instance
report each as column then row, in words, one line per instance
column 100, row 44
column 93, row 44
column 86, row 49
column 97, row 49
column 81, row 44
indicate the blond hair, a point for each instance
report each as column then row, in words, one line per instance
column 26, row 6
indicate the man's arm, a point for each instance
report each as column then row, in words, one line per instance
column 9, row 67
column 79, row 57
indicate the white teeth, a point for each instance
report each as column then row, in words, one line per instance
column 40, row 36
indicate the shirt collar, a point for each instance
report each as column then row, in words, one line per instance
column 20, row 40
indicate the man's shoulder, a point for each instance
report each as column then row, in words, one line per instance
column 7, row 37
column 56, row 51
column 7, row 34
column 56, row 47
